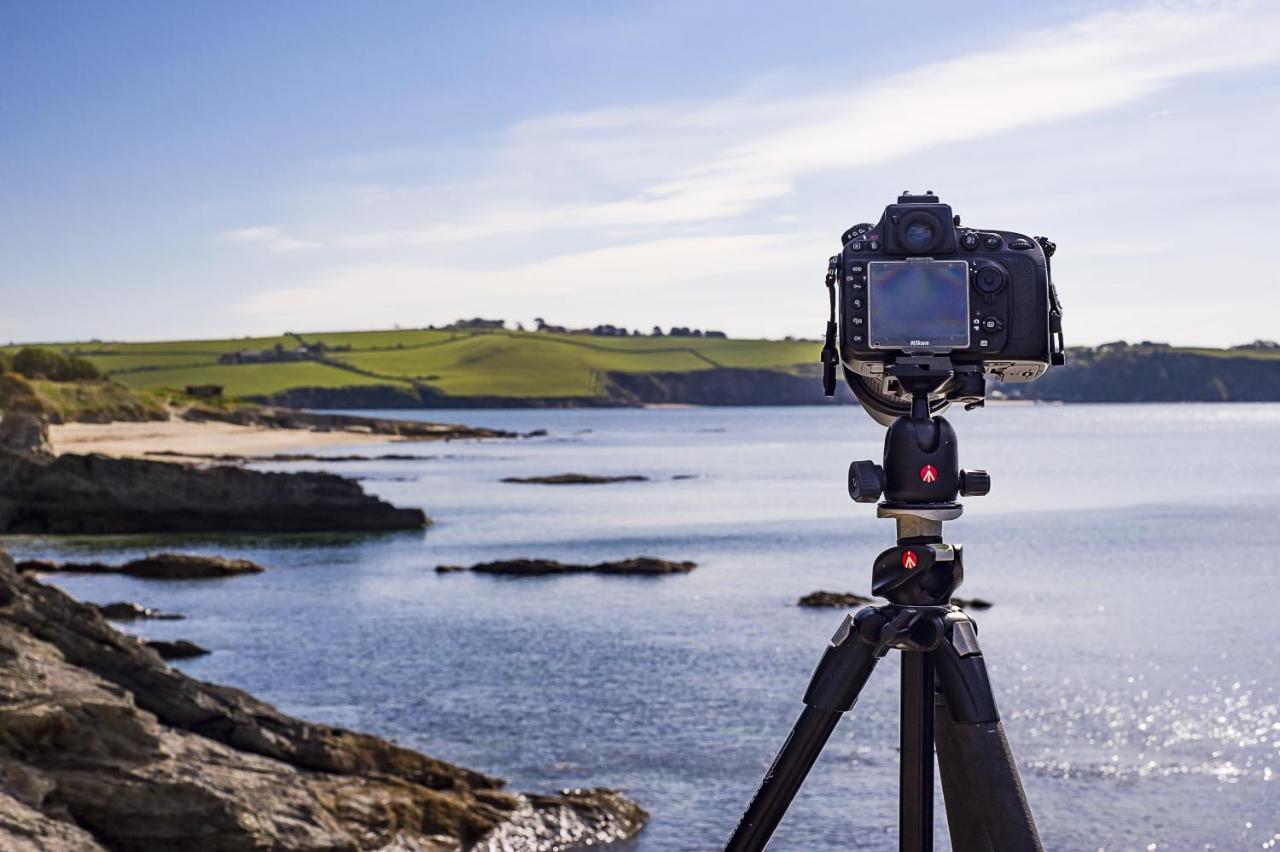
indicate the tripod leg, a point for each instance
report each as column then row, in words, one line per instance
column 843, row 671
column 965, row 824
column 974, row 754
column 915, row 767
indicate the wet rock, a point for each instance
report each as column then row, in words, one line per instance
column 157, row 566
column 834, row 599
column 76, row 494
column 573, row 479
column 104, row 746
column 129, row 611
column 179, row 649
column 640, row 565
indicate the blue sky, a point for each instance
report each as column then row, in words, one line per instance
column 185, row 170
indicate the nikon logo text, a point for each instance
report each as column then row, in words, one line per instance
column 919, row 343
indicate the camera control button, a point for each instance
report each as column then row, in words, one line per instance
column 874, row 245
column 983, row 343
column 992, row 324
column 1020, row 245
column 991, row 241
column 857, row 304
column 857, row 320
column 856, row 245
column 969, row 241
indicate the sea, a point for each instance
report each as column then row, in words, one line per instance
column 1133, row 642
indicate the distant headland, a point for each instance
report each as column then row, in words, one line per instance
column 488, row 363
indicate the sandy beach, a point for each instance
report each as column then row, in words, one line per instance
column 135, row 440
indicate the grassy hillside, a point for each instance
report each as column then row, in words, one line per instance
column 442, row 367
column 456, row 363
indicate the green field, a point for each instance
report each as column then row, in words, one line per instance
column 458, row 363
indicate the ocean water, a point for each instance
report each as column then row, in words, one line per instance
column 1133, row 643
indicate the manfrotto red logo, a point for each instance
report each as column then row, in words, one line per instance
column 909, row 559
column 928, row 473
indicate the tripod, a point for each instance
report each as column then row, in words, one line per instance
column 945, row 691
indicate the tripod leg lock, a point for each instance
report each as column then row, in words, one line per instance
column 847, row 663
column 962, row 673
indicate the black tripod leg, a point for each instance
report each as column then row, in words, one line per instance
column 839, row 678
column 965, row 824
column 915, row 760
column 975, row 742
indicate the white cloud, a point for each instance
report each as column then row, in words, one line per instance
column 268, row 236
column 621, row 280
column 686, row 162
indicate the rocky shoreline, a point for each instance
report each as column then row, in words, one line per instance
column 75, row 494
column 105, row 747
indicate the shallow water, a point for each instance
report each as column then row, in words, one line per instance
column 1132, row 644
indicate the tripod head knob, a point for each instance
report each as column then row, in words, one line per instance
column 975, row 483
column 866, row 481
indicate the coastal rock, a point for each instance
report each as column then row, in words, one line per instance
column 104, row 746
column 291, row 418
column 573, row 479
column 834, row 599
column 179, row 649
column 129, row 611
column 77, row 494
column 21, row 432
column 157, row 566
column 640, row 565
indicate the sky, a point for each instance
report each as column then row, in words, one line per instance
column 184, row 170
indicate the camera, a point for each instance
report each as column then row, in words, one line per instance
column 916, row 285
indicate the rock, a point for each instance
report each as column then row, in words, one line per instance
column 181, row 566
column 157, row 566
column 538, row 433
column 104, row 746
column 180, row 649
column 77, row 494
column 640, row 565
column 834, row 599
column 449, row 569
column 972, row 603
column 128, row 611
column 232, row 458
column 573, row 479
column 291, row 418
column 22, row 432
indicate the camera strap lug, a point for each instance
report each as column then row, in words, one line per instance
column 830, row 358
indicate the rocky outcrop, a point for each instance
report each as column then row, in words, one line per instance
column 97, row 494
column 573, row 479
column 179, row 649
column 157, row 566
column 130, row 611
column 24, row 433
column 640, row 565
column 291, row 418
column 103, row 746
column 834, row 599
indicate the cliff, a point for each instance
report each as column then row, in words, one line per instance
column 105, row 747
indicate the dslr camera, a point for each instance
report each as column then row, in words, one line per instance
column 918, row 285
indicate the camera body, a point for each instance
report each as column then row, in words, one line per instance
column 917, row 284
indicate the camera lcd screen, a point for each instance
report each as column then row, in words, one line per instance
column 918, row 304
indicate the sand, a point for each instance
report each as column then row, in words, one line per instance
column 135, row 440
